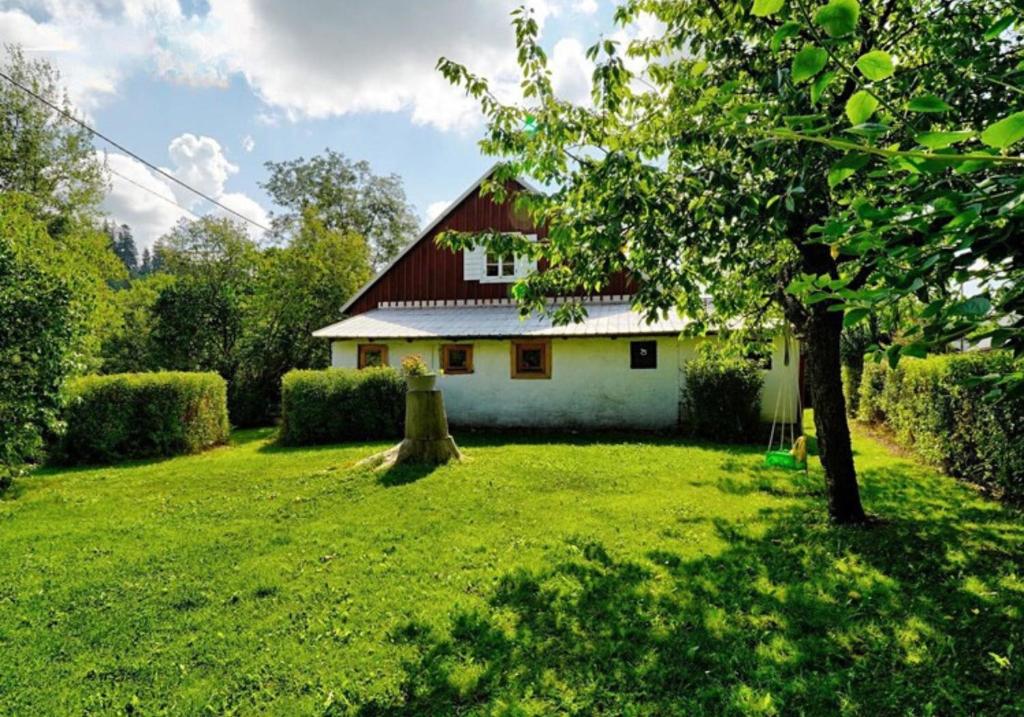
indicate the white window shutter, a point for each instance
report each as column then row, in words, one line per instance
column 473, row 264
column 524, row 265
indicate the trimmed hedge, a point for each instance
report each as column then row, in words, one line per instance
column 723, row 396
column 337, row 404
column 932, row 407
column 142, row 415
column 852, row 375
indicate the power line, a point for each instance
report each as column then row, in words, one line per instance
column 97, row 133
column 153, row 192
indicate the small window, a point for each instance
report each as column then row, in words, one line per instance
column 371, row 355
column 503, row 265
column 457, row 358
column 643, row 354
column 531, row 359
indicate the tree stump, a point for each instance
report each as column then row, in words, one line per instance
column 427, row 440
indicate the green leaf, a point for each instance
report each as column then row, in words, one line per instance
column 976, row 306
column 854, row 316
column 808, row 62
column 996, row 29
column 964, row 218
column 838, row 18
column 846, row 167
column 787, row 30
column 820, row 84
column 764, row 8
column 1005, row 132
column 876, row 65
column 860, row 107
column 928, row 103
column 893, row 354
column 941, row 140
column 917, row 350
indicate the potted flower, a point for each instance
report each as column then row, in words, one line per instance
column 418, row 375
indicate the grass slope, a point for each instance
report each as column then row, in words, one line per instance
column 591, row 576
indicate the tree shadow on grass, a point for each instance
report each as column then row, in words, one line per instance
column 921, row 615
column 404, row 474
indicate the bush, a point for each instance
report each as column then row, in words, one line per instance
column 723, row 396
column 142, row 415
column 869, row 393
column 936, row 407
column 336, row 405
column 38, row 327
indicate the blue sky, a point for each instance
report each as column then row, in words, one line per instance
column 210, row 90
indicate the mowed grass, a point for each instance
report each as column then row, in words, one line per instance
column 580, row 575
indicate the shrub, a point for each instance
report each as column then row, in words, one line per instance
column 936, row 407
column 142, row 415
column 869, row 393
column 38, row 327
column 336, row 405
column 723, row 396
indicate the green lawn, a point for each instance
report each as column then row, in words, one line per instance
column 585, row 575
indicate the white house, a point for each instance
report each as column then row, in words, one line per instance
column 613, row 370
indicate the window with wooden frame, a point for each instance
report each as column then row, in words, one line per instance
column 531, row 359
column 500, row 266
column 371, row 355
column 457, row 358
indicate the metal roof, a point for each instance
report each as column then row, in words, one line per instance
column 604, row 318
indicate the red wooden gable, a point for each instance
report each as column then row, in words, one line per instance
column 427, row 272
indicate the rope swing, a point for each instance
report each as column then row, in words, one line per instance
column 795, row 457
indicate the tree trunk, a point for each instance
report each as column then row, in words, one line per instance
column 427, row 440
column 823, row 329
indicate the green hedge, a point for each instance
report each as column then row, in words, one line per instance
column 336, row 405
column 932, row 406
column 142, row 415
column 852, row 374
column 723, row 397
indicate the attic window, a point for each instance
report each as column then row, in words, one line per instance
column 500, row 266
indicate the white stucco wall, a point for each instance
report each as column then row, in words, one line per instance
column 591, row 384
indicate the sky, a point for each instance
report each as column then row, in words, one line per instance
column 210, row 90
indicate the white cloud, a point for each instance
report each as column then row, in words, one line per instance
column 200, row 163
column 248, row 143
column 434, row 209
column 312, row 59
column 95, row 44
column 247, row 207
column 145, row 200
column 141, row 199
column 571, row 71
column 587, row 7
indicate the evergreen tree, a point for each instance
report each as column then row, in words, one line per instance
column 124, row 247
